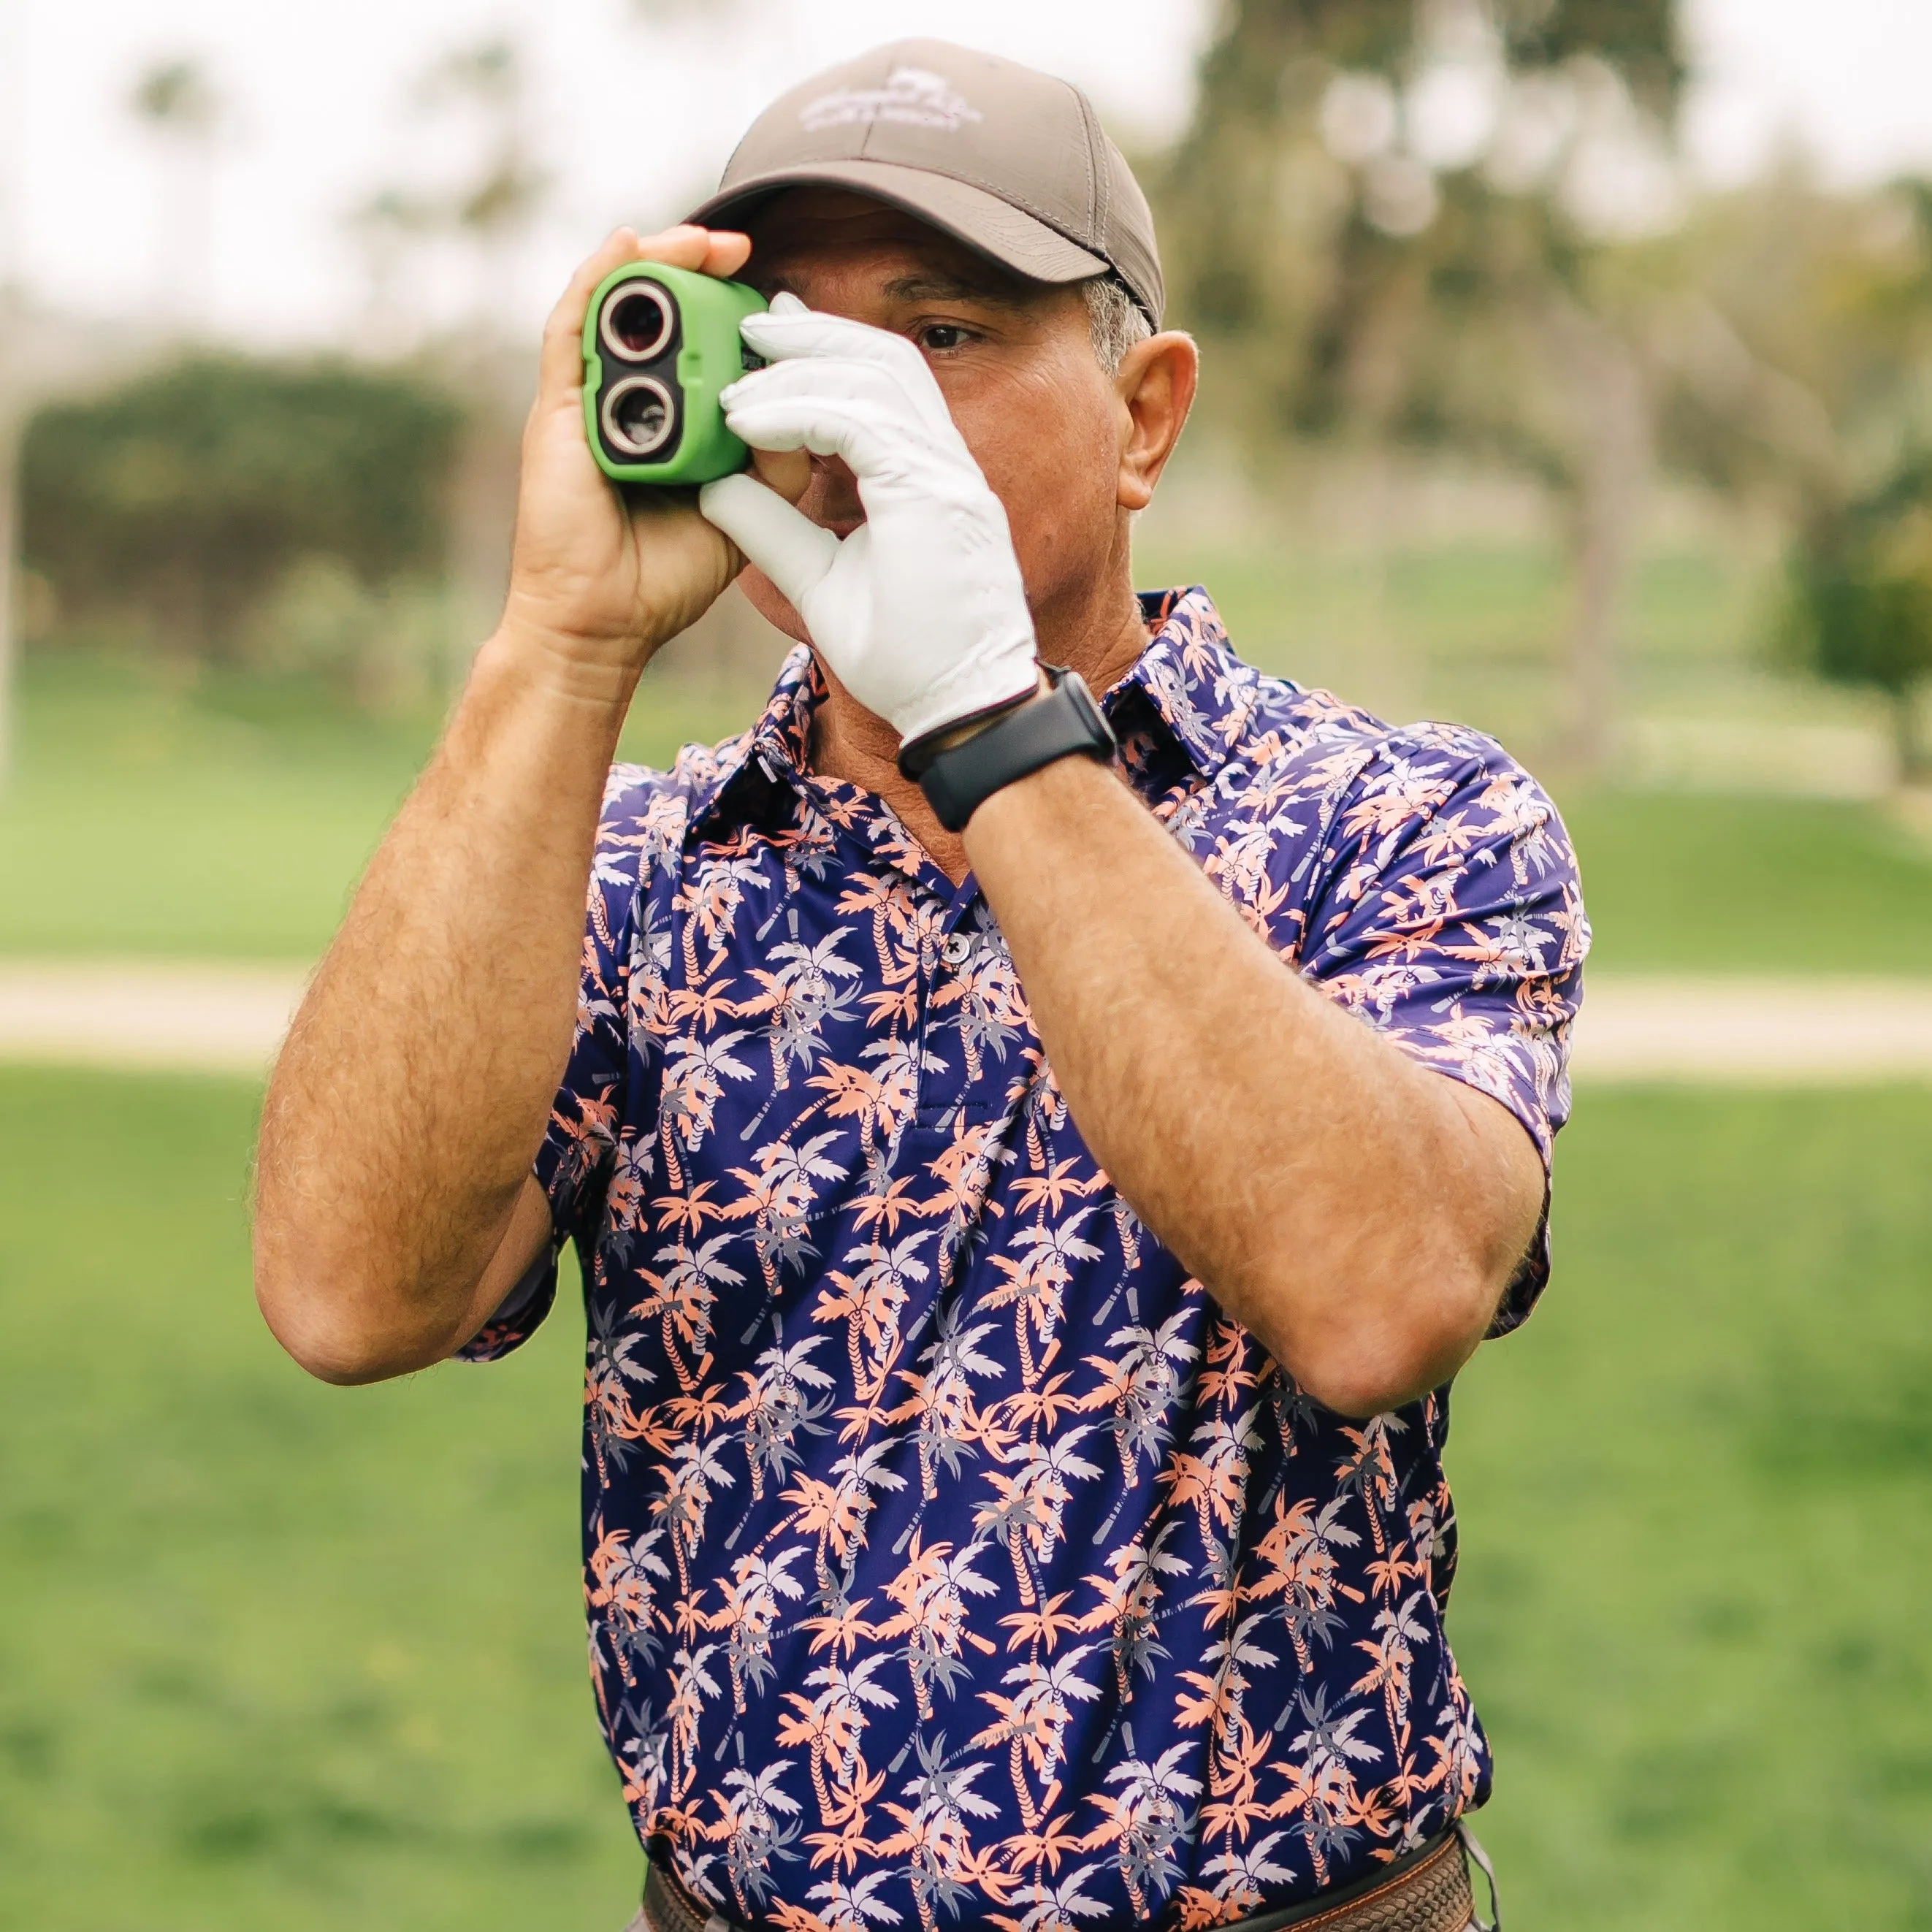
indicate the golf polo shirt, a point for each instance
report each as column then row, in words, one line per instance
column 951, row 1558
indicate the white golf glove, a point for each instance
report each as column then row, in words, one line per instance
column 920, row 611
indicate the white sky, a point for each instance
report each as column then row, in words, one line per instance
column 633, row 123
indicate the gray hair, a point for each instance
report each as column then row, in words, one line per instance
column 1115, row 320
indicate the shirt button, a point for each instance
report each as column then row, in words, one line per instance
column 957, row 948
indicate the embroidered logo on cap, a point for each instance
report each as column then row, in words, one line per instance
column 911, row 96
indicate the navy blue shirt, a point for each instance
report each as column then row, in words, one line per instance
column 951, row 1556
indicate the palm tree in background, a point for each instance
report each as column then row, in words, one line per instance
column 495, row 209
column 488, row 212
column 1406, row 221
column 177, row 103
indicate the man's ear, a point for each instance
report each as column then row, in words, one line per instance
column 1156, row 385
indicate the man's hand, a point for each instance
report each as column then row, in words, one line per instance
column 602, row 579
column 921, row 611
column 394, row 1205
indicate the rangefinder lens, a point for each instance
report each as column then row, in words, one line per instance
column 637, row 321
column 638, row 416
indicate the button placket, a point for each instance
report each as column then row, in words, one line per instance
column 947, row 949
column 931, row 950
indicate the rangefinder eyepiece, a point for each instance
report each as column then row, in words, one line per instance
column 637, row 321
column 660, row 345
column 638, row 416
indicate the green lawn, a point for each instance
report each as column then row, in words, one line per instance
column 1709, row 884
column 277, row 1655
column 1696, row 1497
column 271, row 1654
column 223, row 817
column 1470, row 631
column 230, row 820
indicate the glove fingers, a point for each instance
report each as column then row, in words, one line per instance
column 781, row 335
column 859, row 410
column 928, row 437
column 922, row 612
column 873, row 443
column 839, row 376
column 786, row 545
column 796, row 336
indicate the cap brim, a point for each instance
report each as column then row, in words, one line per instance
column 1008, row 235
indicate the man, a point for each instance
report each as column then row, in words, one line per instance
column 1035, row 1177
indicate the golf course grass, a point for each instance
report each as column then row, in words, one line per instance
column 222, row 816
column 277, row 1655
column 229, row 818
column 272, row 1654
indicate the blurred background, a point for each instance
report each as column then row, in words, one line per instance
column 1569, row 372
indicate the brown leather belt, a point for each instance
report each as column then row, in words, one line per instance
column 1427, row 1891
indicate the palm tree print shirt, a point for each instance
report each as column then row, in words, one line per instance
column 951, row 1558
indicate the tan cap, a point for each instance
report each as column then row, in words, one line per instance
column 1013, row 163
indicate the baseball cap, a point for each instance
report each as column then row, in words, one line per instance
column 1012, row 162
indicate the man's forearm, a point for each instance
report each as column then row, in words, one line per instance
column 1327, row 1191
column 414, row 1088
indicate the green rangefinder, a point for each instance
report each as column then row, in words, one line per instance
column 659, row 345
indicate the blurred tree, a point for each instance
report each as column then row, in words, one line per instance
column 489, row 207
column 1834, row 291
column 498, row 205
column 176, row 96
column 1414, row 221
column 1861, row 605
column 708, row 14
column 43, row 355
column 175, row 99
column 181, row 499
column 389, row 230
column 481, row 213
column 1841, row 291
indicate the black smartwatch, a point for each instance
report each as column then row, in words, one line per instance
column 1035, row 732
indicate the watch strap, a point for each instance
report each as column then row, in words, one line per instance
column 958, row 781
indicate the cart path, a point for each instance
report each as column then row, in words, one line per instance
column 188, row 1016
column 206, row 1017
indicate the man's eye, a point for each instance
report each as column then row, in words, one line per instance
column 941, row 336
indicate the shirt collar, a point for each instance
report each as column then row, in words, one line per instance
column 1188, row 677
column 775, row 751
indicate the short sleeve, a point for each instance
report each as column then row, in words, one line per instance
column 1452, row 919
column 581, row 1142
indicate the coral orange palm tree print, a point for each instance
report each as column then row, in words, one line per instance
column 951, row 1558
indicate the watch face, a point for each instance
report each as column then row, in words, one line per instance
column 1067, row 721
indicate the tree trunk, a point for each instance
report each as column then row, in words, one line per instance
column 1385, row 683
column 9, row 596
column 483, row 499
column 1915, row 755
column 1611, row 469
